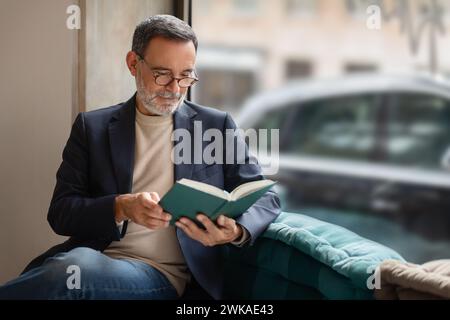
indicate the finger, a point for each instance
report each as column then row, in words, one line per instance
column 156, row 224
column 158, row 213
column 192, row 227
column 189, row 224
column 146, row 200
column 188, row 231
column 209, row 225
column 155, row 196
column 167, row 216
column 212, row 235
column 155, row 211
column 226, row 222
column 143, row 220
column 184, row 228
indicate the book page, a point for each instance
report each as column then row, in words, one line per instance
column 207, row 188
column 248, row 188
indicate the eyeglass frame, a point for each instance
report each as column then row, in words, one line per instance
column 195, row 78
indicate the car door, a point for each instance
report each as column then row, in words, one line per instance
column 416, row 147
column 329, row 151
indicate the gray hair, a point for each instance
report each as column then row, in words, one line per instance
column 162, row 25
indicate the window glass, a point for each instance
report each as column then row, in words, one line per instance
column 418, row 131
column 340, row 127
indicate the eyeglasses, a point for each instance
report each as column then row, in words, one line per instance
column 166, row 79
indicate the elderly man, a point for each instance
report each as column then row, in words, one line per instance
column 117, row 165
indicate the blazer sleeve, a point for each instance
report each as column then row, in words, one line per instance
column 72, row 211
column 245, row 168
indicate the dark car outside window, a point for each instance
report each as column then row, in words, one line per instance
column 418, row 131
column 339, row 128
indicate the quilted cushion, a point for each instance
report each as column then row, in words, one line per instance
column 301, row 257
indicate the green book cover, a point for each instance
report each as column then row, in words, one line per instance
column 187, row 198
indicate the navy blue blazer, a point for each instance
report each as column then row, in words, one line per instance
column 97, row 166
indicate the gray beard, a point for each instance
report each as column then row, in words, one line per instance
column 147, row 100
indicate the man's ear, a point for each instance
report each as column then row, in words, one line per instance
column 131, row 62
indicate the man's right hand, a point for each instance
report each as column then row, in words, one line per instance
column 142, row 208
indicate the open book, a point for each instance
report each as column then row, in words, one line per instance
column 187, row 198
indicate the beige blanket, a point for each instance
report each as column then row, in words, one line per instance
column 402, row 280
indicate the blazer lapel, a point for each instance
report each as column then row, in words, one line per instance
column 183, row 120
column 122, row 142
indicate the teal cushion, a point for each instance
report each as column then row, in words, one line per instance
column 244, row 281
column 302, row 257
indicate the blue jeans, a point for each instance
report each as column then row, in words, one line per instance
column 100, row 277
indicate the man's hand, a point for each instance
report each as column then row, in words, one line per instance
column 142, row 208
column 225, row 231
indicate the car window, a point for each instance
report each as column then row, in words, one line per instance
column 418, row 131
column 278, row 118
column 274, row 119
column 342, row 127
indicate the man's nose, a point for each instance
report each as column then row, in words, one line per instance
column 173, row 86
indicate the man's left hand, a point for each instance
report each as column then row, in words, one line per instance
column 226, row 230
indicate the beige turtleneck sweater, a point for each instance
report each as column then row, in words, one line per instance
column 153, row 172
